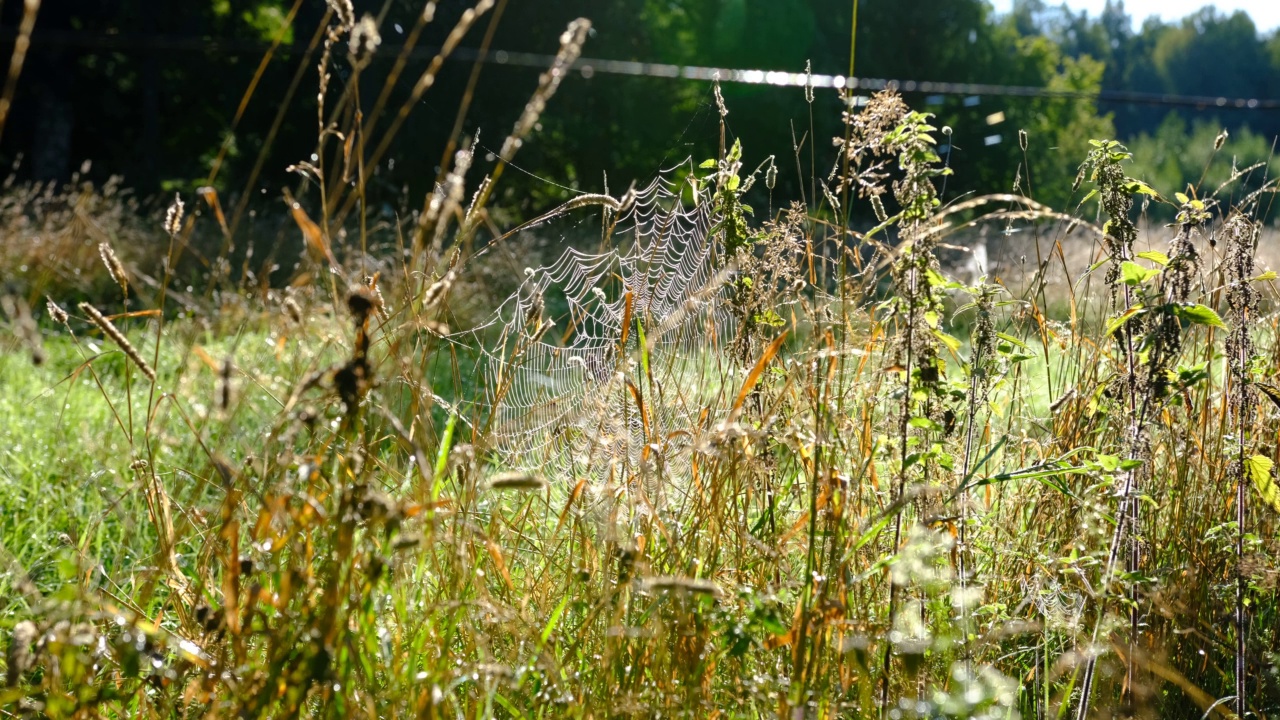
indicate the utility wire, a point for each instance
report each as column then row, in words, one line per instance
column 589, row 67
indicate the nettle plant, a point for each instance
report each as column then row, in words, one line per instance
column 758, row 257
column 1151, row 313
column 916, row 310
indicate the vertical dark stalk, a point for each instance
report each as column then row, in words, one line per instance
column 1159, row 334
column 1242, row 301
column 1117, row 201
column 901, row 481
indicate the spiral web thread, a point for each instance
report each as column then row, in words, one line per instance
column 567, row 382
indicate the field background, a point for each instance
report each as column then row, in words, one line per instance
column 303, row 414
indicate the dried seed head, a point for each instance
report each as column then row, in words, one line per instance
column 57, row 314
column 364, row 41
column 360, row 302
column 346, row 14
column 571, row 42
column 114, row 265
column 693, row 586
column 406, row 541
column 111, row 331
column 436, row 292
column 878, row 206
column 533, row 315
column 173, row 217
column 516, row 481
column 1221, row 140
column 24, row 326
column 21, row 657
column 293, row 310
column 771, row 175
column 1022, row 140
column 371, row 282
column 224, row 385
column 808, row 82
column 724, row 110
column 436, row 328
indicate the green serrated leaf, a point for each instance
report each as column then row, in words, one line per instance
column 925, row 423
column 1199, row 315
column 1259, row 468
column 1118, row 322
column 1271, row 391
column 708, row 164
column 948, row 340
column 1011, row 340
column 1155, row 256
column 1140, row 188
column 1134, row 274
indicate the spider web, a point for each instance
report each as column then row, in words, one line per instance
column 574, row 390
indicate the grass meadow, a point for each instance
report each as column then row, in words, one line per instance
column 417, row 469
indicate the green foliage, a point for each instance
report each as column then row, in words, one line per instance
column 1260, row 469
column 1180, row 156
column 1058, row 130
column 301, row 515
column 726, row 199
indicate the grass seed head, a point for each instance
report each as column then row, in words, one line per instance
column 225, row 385
column 24, row 326
column 56, row 313
column 516, row 480
column 436, row 293
column 671, row 583
column 293, row 310
column 173, row 217
column 114, row 266
column 111, row 331
column 345, row 12
column 571, row 42
column 364, row 42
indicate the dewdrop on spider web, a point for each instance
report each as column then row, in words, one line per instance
column 649, row 319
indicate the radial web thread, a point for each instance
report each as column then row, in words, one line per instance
column 573, row 392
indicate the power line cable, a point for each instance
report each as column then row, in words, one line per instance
column 589, row 67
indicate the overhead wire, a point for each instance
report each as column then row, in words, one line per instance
column 589, row 67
